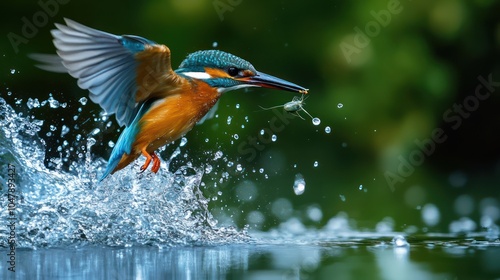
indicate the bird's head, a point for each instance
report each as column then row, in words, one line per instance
column 226, row 72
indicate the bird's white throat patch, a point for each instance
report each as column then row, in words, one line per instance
column 198, row 75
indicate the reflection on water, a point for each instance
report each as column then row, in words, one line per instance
column 360, row 256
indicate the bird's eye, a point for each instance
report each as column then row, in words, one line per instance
column 233, row 71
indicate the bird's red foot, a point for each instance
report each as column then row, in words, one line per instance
column 148, row 160
column 156, row 163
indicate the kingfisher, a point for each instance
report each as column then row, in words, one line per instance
column 132, row 77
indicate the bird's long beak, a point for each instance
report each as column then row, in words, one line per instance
column 268, row 81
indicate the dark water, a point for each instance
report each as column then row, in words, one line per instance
column 361, row 256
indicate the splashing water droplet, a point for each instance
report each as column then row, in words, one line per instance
column 236, row 136
column 274, row 138
column 237, row 105
column 215, row 45
column 342, row 197
column 64, row 130
column 340, row 105
column 53, row 103
column 239, row 167
column 261, row 170
column 262, row 132
column 83, row 100
column 328, row 130
column 183, row 142
column 229, row 119
column 360, row 187
column 111, row 144
column 13, row 71
column 95, row 131
column 400, row 241
column 299, row 186
column 218, row 155
column 33, row 103
column 316, row 121
column 316, row 163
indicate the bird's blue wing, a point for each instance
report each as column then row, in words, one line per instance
column 103, row 63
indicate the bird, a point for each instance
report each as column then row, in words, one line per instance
column 132, row 77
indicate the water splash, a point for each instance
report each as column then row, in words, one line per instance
column 55, row 208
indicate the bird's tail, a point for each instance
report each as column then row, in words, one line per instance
column 122, row 153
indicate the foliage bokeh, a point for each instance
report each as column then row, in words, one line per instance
column 395, row 91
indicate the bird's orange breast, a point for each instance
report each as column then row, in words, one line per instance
column 173, row 116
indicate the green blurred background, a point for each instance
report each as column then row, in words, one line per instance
column 393, row 90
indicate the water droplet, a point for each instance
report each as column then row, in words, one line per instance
column 360, row 187
column 13, row 71
column 183, row 142
column 111, row 144
column 53, row 103
column 239, row 167
column 53, row 127
column 95, row 131
column 342, row 197
column 340, row 105
column 64, row 130
column 230, row 164
column 328, row 130
column 215, row 45
column 219, row 193
column 299, row 186
column 262, row 132
column 314, row 213
column 33, row 103
column 229, row 119
column 316, row 121
column 344, row 145
column 316, row 163
column 218, row 155
column 400, row 241
column 274, row 138
column 236, row 136
column 261, row 170
column 237, row 105
column 83, row 100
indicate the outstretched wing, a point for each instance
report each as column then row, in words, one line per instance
column 119, row 71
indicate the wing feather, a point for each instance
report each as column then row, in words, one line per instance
column 109, row 66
